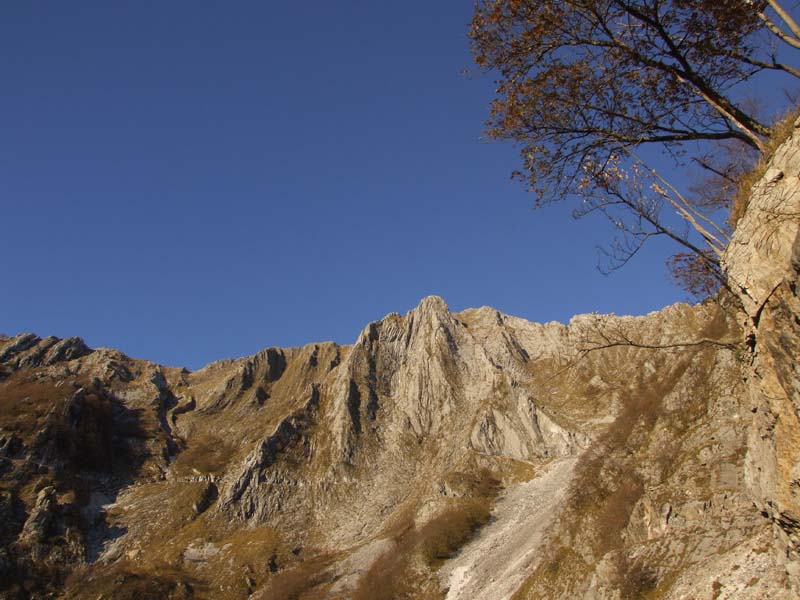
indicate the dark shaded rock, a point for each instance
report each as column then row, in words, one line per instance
column 41, row 516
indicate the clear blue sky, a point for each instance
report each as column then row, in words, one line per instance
column 194, row 180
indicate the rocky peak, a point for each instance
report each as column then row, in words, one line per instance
column 432, row 305
column 28, row 350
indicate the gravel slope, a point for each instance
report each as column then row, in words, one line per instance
column 494, row 564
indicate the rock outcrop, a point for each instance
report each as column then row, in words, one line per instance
column 763, row 263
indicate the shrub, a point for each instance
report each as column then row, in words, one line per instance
column 779, row 133
column 126, row 581
column 299, row 583
column 430, row 544
column 387, row 578
column 442, row 537
column 616, row 510
column 636, row 580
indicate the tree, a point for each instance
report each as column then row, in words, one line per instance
column 632, row 197
column 792, row 37
column 584, row 83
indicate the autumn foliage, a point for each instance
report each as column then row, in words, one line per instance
column 584, row 86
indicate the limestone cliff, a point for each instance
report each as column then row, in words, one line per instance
column 763, row 265
column 458, row 455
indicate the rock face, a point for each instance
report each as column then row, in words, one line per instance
column 41, row 516
column 611, row 457
column 763, row 263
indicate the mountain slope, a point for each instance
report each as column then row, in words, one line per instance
column 457, row 455
column 250, row 469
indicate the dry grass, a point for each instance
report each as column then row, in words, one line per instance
column 482, row 483
column 126, row 581
column 404, row 572
column 25, row 402
column 397, row 576
column 608, row 485
column 606, row 488
column 441, row 538
column 308, row 581
column 387, row 578
column 636, row 580
column 206, row 455
column 562, row 563
column 250, row 551
column 244, row 556
column 517, row 471
column 779, row 133
column 90, row 430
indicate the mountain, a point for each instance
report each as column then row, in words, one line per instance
column 443, row 455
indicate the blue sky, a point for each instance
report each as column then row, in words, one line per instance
column 188, row 181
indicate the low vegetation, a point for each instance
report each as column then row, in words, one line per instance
column 310, row 580
column 441, row 538
column 403, row 572
column 126, row 581
column 636, row 580
column 207, row 455
column 779, row 133
column 609, row 483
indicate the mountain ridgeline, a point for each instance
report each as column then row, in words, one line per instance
column 469, row 455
